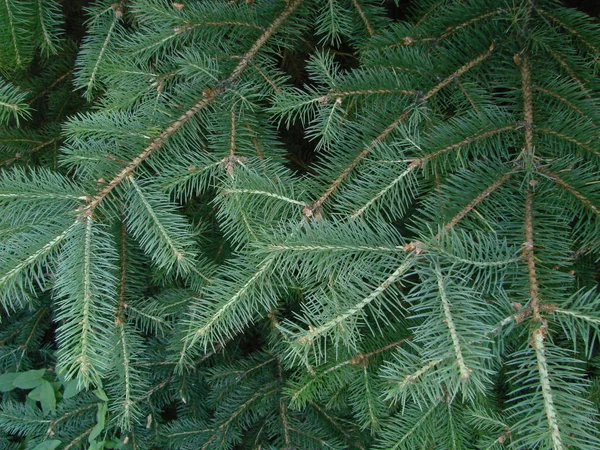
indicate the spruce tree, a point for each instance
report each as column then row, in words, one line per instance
column 299, row 224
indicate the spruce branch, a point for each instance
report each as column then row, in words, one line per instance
column 383, row 191
column 476, row 201
column 229, row 191
column 309, row 336
column 79, row 438
column 551, row 413
column 445, row 298
column 567, row 67
column 9, row 280
column 363, row 17
column 458, row 352
column 40, row 145
column 222, row 428
column 317, row 205
column 571, row 29
column 12, row 103
column 15, row 20
column 458, row 73
column 87, row 74
column 49, row 20
column 583, row 145
column 208, row 97
column 84, row 291
column 571, row 190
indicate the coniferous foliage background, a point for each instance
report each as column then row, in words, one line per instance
column 299, row 224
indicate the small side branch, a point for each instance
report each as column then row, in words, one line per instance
column 583, row 145
column 120, row 317
column 314, row 207
column 561, row 99
column 382, row 192
column 224, row 309
column 283, row 198
column 38, row 147
column 472, row 21
column 157, row 143
column 466, row 141
column 460, row 71
column 571, row 30
column 243, row 64
column 568, row 69
column 449, row 319
column 476, row 201
column 363, row 358
column 550, row 409
column 363, row 16
column 571, row 190
column 340, row 94
column 313, row 333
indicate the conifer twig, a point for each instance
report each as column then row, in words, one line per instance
column 528, row 254
column 420, row 162
column 208, row 96
column 539, row 332
column 460, row 71
column 120, row 316
column 449, row 320
column 571, row 30
column 80, row 437
column 309, row 335
column 560, row 98
column 38, row 147
column 476, row 201
column 568, row 69
column 583, row 145
column 472, row 21
column 571, row 189
column 361, row 358
column 339, row 94
column 237, row 412
column 13, row 32
column 363, row 17
column 527, row 111
column 336, row 425
column 312, row 209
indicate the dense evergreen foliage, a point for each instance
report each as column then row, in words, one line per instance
column 299, row 224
